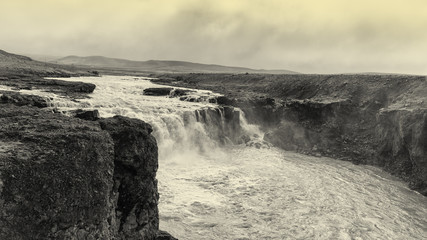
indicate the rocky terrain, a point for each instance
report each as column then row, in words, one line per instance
column 367, row 119
column 20, row 72
column 71, row 178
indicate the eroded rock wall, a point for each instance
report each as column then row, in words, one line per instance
column 376, row 121
column 68, row 178
column 402, row 148
column 135, row 184
column 367, row 119
column 56, row 176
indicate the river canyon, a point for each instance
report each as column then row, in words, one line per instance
column 219, row 179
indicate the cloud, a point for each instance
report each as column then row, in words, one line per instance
column 305, row 35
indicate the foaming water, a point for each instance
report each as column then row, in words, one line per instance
column 211, row 188
column 178, row 127
column 272, row 194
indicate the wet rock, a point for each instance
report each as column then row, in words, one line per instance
column 91, row 115
column 259, row 144
column 222, row 100
column 157, row 91
column 244, row 139
column 22, row 99
column 163, row 235
column 76, row 87
column 180, row 92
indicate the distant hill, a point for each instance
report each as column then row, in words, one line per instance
column 17, row 64
column 158, row 65
column 41, row 57
column 8, row 59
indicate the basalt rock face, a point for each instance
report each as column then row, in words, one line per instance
column 68, row 178
column 222, row 123
column 403, row 145
column 379, row 123
column 320, row 127
column 56, row 177
column 135, row 184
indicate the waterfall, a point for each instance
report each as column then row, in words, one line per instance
column 217, row 179
column 184, row 126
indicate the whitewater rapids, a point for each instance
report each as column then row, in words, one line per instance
column 210, row 190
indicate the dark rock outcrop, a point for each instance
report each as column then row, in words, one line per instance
column 67, row 178
column 22, row 100
column 90, row 115
column 135, row 184
column 57, row 176
column 222, row 100
column 162, row 235
column 157, row 91
column 79, row 87
column 178, row 92
column 74, row 89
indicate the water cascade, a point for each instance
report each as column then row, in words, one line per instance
column 219, row 180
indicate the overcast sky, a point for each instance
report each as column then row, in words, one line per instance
column 311, row 36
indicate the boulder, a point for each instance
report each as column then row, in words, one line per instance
column 157, row 91
column 22, row 99
column 91, row 115
column 180, row 92
column 222, row 100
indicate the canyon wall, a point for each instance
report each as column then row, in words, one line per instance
column 367, row 119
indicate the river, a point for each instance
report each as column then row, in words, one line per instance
column 210, row 190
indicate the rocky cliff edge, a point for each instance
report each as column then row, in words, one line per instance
column 68, row 178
